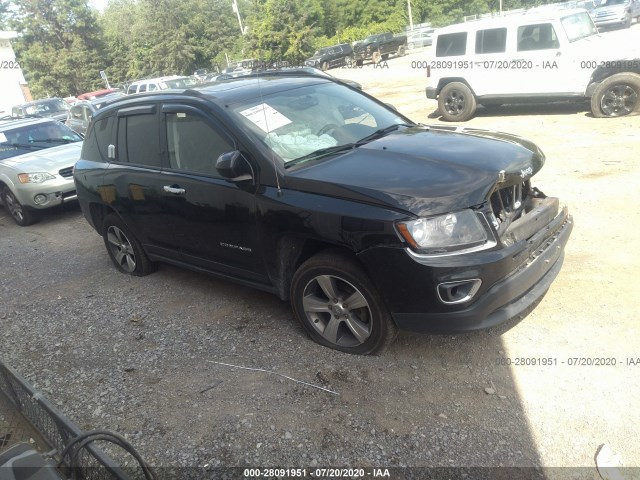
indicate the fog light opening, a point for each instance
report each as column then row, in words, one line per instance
column 461, row 291
column 40, row 199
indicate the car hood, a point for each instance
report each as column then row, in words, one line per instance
column 46, row 160
column 424, row 170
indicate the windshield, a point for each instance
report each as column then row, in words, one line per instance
column 46, row 107
column 301, row 121
column 26, row 139
column 578, row 25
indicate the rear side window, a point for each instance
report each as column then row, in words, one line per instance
column 139, row 140
column 537, row 37
column 451, row 44
column 493, row 40
column 96, row 144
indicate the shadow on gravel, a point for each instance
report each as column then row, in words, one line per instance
column 529, row 109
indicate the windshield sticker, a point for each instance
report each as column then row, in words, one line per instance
column 3, row 139
column 265, row 117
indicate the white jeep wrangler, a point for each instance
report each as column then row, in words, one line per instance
column 532, row 57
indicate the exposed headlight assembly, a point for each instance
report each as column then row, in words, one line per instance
column 444, row 233
column 37, row 177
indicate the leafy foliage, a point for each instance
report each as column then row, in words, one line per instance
column 64, row 43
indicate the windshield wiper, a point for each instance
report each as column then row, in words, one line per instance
column 348, row 146
column 53, row 140
column 322, row 152
column 381, row 133
column 24, row 145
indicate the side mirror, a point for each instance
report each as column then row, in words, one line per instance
column 392, row 107
column 233, row 166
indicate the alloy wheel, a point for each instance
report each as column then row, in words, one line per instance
column 121, row 249
column 337, row 310
column 455, row 102
column 619, row 100
column 14, row 207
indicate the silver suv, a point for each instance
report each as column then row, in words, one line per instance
column 36, row 166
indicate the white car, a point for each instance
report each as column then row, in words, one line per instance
column 533, row 57
column 160, row 83
column 36, row 166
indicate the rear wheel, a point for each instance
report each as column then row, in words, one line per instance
column 456, row 102
column 21, row 215
column 400, row 52
column 375, row 57
column 338, row 306
column 125, row 250
column 617, row 96
column 325, row 66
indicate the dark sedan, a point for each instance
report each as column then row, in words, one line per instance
column 312, row 190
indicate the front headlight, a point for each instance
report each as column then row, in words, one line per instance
column 452, row 231
column 37, row 177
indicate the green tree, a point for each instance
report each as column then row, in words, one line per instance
column 60, row 46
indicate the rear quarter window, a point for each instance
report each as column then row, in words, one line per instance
column 451, row 44
column 96, row 143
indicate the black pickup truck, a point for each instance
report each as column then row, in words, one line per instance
column 379, row 47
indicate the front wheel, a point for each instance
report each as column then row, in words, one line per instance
column 400, row 51
column 456, row 102
column 124, row 249
column 324, row 66
column 338, row 306
column 617, row 96
column 376, row 57
column 21, row 215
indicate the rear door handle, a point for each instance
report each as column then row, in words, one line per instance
column 175, row 189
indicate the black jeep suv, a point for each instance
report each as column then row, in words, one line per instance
column 312, row 190
column 330, row 57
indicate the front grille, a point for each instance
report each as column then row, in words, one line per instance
column 506, row 202
column 66, row 172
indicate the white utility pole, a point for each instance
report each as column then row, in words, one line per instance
column 234, row 6
column 411, row 16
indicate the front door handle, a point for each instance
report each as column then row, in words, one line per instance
column 175, row 189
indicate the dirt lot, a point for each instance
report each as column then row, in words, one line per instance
column 135, row 354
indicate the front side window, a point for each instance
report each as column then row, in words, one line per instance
column 537, row 37
column 139, row 140
column 493, row 40
column 451, row 44
column 300, row 121
column 193, row 144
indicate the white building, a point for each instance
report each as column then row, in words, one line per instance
column 13, row 88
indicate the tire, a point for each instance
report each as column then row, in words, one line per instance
column 348, row 60
column 411, row 46
column 124, row 249
column 375, row 57
column 400, row 52
column 364, row 329
column 324, row 66
column 627, row 20
column 456, row 102
column 617, row 96
column 21, row 215
column 385, row 56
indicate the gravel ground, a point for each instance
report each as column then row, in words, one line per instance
column 138, row 355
